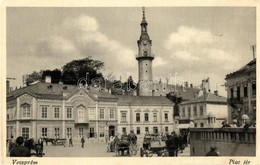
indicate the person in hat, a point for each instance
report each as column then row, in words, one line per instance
column 213, row 151
column 20, row 150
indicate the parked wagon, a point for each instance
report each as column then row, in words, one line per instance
column 59, row 142
column 153, row 144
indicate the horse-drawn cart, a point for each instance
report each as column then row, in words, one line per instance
column 59, row 141
column 153, row 144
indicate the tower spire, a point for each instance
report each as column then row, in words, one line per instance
column 144, row 14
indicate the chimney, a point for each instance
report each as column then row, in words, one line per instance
column 47, row 79
column 7, row 86
column 216, row 93
column 191, row 85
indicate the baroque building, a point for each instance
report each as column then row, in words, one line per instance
column 241, row 92
column 57, row 110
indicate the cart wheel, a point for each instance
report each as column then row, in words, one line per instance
column 141, row 152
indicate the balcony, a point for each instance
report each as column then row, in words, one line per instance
column 150, row 56
column 235, row 101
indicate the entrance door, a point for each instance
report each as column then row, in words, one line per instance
column 81, row 114
column 111, row 130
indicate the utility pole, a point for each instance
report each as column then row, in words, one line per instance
column 253, row 48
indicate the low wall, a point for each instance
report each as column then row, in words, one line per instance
column 230, row 141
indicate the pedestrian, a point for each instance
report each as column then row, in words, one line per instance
column 82, row 141
column 107, row 138
column 20, row 150
column 70, row 142
column 225, row 124
column 11, row 143
column 213, row 151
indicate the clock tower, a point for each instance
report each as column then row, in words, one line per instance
column 144, row 58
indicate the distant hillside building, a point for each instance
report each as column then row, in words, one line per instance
column 241, row 90
column 208, row 110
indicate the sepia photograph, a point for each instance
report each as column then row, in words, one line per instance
column 130, row 82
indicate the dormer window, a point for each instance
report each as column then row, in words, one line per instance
column 49, row 86
column 65, row 88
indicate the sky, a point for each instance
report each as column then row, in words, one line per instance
column 189, row 43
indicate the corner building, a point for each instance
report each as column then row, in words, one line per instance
column 57, row 110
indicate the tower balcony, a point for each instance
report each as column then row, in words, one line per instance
column 150, row 56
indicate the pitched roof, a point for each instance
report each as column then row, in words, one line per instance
column 55, row 91
column 186, row 93
column 209, row 98
column 247, row 68
column 143, row 100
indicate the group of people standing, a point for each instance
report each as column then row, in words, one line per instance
column 175, row 143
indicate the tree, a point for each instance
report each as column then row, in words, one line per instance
column 176, row 100
column 55, row 75
column 85, row 68
column 34, row 76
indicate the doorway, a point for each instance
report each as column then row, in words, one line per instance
column 111, row 130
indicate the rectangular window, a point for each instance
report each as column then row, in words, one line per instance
column 245, row 91
column 201, row 125
column 91, row 114
column 25, row 132
column 26, row 111
column 81, row 132
column 166, row 129
column 138, row 130
column 69, row 112
column 195, row 111
column 112, row 113
column 147, row 130
column 155, row 130
column 231, row 93
column 201, row 110
column 101, row 114
column 195, row 125
column 253, row 88
column 137, row 117
column 7, row 116
column 101, row 132
column 44, row 132
column 146, row 117
column 69, row 132
column 123, row 129
column 189, row 112
column 183, row 112
column 166, row 117
column 238, row 92
column 155, row 117
column 91, row 132
column 123, row 116
column 57, row 132
column 56, row 112
column 44, row 112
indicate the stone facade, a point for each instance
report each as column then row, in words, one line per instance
column 241, row 91
column 208, row 110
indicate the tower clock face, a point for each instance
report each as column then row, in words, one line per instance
column 145, row 43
